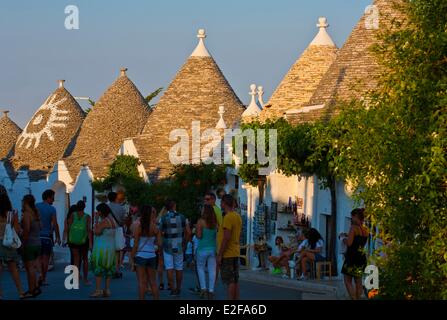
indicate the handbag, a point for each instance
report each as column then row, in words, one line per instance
column 120, row 241
column 10, row 238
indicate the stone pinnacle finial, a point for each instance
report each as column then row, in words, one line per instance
column 253, row 90
column 253, row 94
column 221, row 123
column 201, row 34
column 123, row 71
column 5, row 112
column 260, row 96
column 253, row 108
column 322, row 23
column 200, row 50
column 322, row 38
column 61, row 83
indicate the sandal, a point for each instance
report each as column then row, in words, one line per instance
column 37, row 292
column 97, row 294
column 203, row 294
column 107, row 293
column 26, row 295
column 161, row 286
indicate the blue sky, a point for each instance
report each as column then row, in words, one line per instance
column 253, row 41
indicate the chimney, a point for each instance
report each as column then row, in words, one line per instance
column 61, row 83
column 123, row 71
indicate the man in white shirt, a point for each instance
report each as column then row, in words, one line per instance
column 310, row 251
column 119, row 214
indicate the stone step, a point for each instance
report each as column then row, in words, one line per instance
column 313, row 290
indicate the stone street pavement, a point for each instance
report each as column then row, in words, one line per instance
column 126, row 288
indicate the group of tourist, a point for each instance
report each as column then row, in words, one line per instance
column 35, row 229
column 155, row 242
column 161, row 241
column 310, row 251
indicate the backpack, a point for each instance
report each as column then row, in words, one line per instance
column 78, row 230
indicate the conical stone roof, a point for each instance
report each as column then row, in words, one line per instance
column 49, row 134
column 354, row 73
column 9, row 132
column 196, row 93
column 120, row 113
column 302, row 79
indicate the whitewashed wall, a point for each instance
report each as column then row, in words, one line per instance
column 20, row 188
column 4, row 177
column 316, row 206
column 82, row 189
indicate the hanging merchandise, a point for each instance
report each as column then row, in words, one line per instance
column 259, row 223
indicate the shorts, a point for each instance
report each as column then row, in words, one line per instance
column 229, row 270
column 173, row 261
column 188, row 258
column 30, row 253
column 8, row 254
column 81, row 247
column 146, row 262
column 46, row 246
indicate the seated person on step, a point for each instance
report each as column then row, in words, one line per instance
column 310, row 250
column 280, row 256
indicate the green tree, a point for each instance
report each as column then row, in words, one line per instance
column 394, row 153
column 123, row 172
column 92, row 104
column 249, row 172
column 152, row 96
column 187, row 184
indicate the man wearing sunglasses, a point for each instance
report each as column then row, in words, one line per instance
column 210, row 199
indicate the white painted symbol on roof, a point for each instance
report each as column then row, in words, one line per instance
column 56, row 119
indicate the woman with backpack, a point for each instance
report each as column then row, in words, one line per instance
column 9, row 255
column 79, row 238
column 71, row 210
